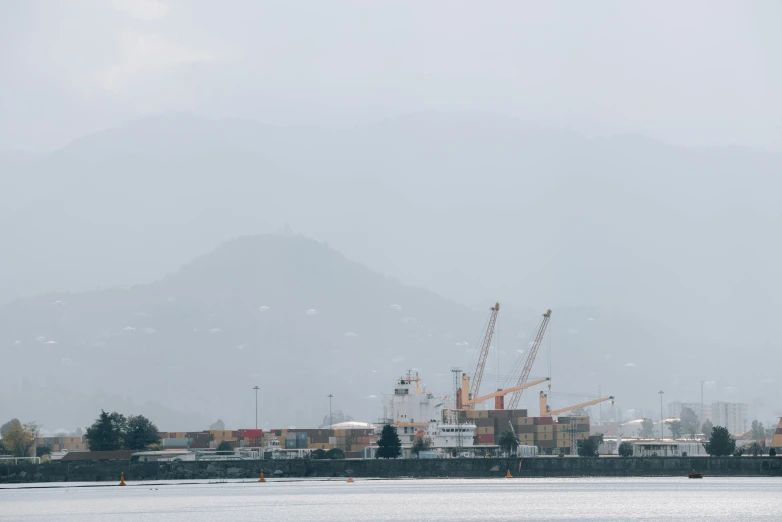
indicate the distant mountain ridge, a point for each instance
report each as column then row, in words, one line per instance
column 300, row 320
column 474, row 207
column 283, row 312
column 442, row 185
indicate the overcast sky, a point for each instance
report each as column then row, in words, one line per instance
column 657, row 256
column 696, row 72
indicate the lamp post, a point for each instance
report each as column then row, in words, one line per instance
column 661, row 416
column 331, row 422
column 256, row 406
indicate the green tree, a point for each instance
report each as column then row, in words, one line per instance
column 335, row 454
column 690, row 422
column 106, row 432
column 318, row 454
column 706, row 428
column 389, row 446
column 225, row 448
column 588, row 448
column 647, row 429
column 40, row 451
column 676, row 429
column 772, row 452
column 140, row 433
column 625, row 449
column 420, row 444
column 720, row 443
column 508, row 442
column 755, row 449
column 758, row 431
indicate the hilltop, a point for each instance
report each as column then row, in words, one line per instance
column 286, row 313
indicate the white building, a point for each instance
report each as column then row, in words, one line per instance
column 667, row 448
column 415, row 412
column 675, row 410
column 732, row 415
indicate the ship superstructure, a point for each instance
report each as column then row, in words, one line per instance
column 417, row 413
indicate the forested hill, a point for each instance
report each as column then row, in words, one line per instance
column 286, row 313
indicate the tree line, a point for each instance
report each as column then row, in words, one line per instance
column 113, row 431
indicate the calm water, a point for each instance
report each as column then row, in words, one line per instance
column 755, row 499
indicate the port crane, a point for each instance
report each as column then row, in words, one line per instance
column 513, row 402
column 546, row 411
column 483, row 354
column 469, row 404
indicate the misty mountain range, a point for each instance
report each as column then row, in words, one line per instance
column 671, row 251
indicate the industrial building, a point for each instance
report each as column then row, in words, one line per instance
column 62, row 444
column 776, row 440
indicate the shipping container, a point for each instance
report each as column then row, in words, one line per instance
column 542, row 420
column 482, row 423
column 485, row 439
column 524, row 421
column 499, row 414
column 290, row 443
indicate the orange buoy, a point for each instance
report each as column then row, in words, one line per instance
column 507, row 474
column 262, row 479
column 122, row 479
column 350, row 480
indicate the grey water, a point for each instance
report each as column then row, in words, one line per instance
column 756, row 499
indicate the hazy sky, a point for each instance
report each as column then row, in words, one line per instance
column 657, row 256
column 697, row 72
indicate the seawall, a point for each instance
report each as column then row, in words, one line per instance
column 88, row 471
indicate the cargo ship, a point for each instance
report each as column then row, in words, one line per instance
column 417, row 413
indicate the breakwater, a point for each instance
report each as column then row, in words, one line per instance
column 88, row 471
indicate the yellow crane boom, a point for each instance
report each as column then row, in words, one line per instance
column 545, row 411
column 498, row 393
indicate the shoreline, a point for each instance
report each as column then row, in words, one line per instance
column 566, row 467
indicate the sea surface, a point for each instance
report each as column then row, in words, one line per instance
column 752, row 499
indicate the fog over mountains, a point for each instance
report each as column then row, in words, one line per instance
column 671, row 251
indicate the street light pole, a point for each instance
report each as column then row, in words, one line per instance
column 331, row 421
column 662, row 435
column 256, row 406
